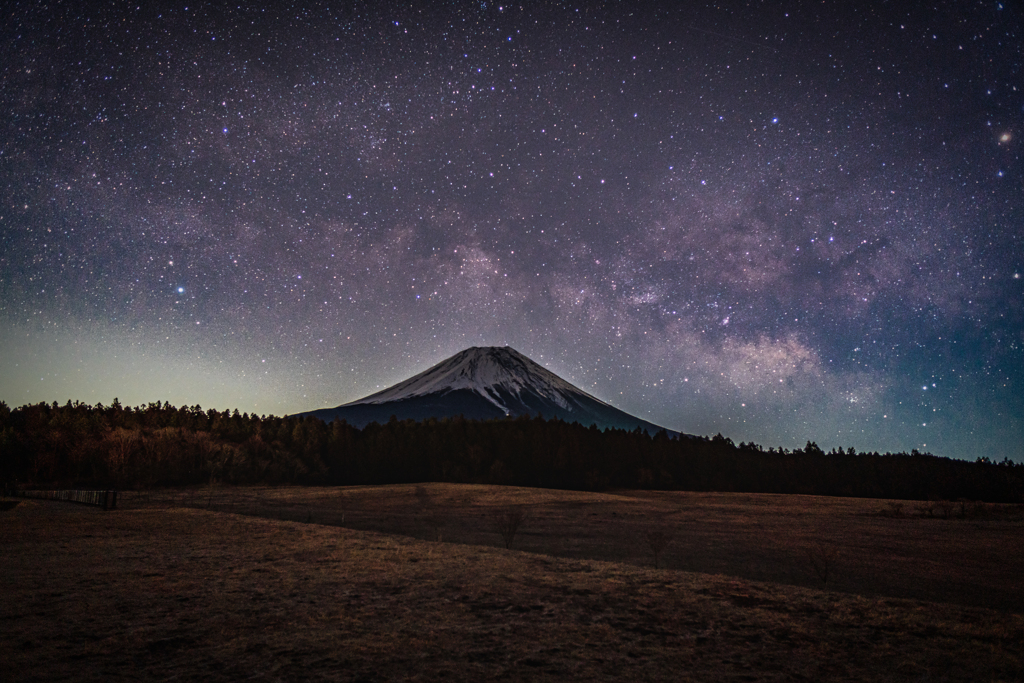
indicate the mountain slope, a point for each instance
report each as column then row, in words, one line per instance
column 484, row 383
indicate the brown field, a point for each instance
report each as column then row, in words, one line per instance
column 350, row 584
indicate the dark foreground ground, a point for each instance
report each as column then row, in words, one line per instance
column 158, row 591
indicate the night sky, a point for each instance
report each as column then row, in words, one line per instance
column 778, row 221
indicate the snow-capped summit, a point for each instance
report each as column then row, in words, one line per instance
column 484, row 383
column 491, row 372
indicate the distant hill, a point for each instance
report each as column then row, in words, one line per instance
column 483, row 383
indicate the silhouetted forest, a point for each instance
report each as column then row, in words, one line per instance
column 82, row 446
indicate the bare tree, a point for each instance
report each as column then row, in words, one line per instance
column 122, row 443
column 201, row 445
column 822, row 557
column 507, row 522
column 657, row 539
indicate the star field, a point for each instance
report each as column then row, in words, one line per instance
column 781, row 222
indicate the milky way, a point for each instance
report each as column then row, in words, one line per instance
column 782, row 222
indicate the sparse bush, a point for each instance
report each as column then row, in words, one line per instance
column 822, row 557
column 507, row 522
column 893, row 509
column 980, row 510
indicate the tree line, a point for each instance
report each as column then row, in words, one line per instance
column 77, row 446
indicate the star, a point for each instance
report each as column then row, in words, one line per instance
column 616, row 194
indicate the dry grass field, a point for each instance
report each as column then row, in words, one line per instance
column 351, row 584
column 977, row 561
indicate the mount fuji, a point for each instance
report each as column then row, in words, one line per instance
column 485, row 383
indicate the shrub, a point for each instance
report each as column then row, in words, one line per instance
column 822, row 557
column 893, row 509
column 507, row 522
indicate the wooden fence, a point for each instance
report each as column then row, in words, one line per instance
column 104, row 499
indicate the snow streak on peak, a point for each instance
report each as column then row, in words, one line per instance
column 490, row 371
